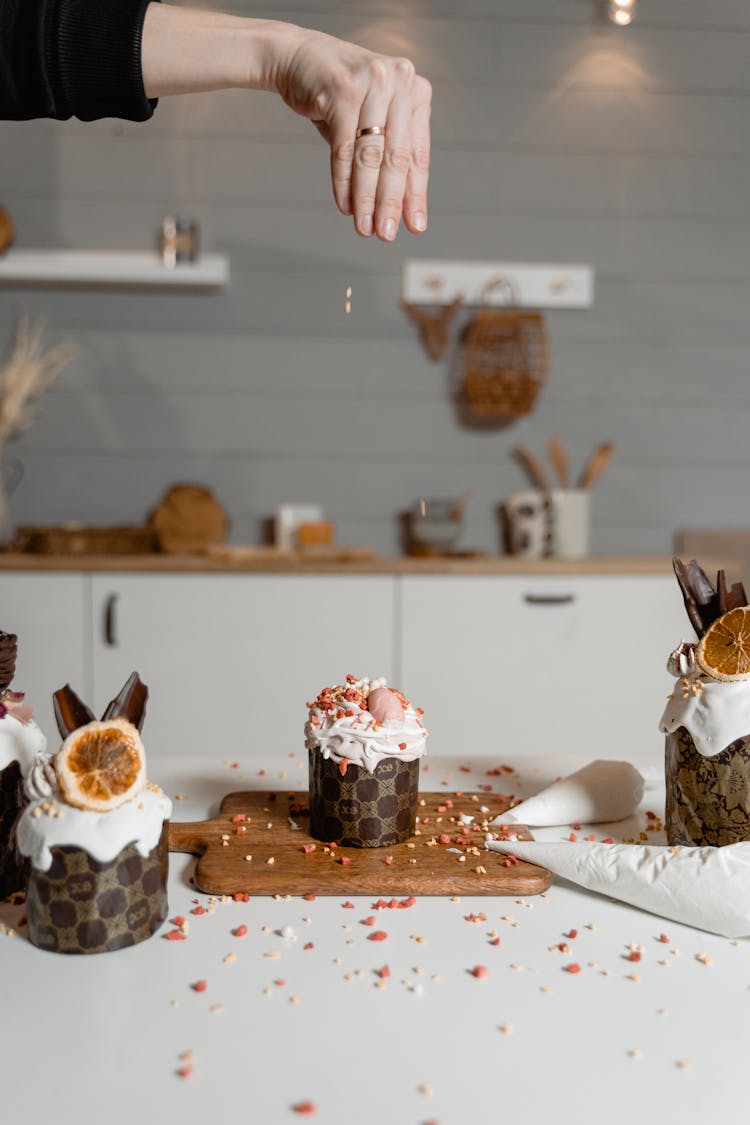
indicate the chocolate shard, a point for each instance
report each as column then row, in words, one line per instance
column 70, row 711
column 700, row 598
column 130, row 703
column 8, row 653
column 737, row 595
column 729, row 598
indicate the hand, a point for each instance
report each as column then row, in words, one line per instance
column 341, row 88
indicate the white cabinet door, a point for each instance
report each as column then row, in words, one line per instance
column 49, row 614
column 230, row 660
column 505, row 665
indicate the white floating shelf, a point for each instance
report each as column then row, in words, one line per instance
column 110, row 267
column 538, row 285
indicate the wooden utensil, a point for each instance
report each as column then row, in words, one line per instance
column 533, row 466
column 242, row 829
column 559, row 460
column 596, row 464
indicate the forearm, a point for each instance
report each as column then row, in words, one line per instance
column 71, row 58
column 185, row 50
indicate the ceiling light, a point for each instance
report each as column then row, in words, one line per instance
column 622, row 12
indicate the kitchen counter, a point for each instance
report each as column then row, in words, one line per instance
column 304, row 1017
column 402, row 564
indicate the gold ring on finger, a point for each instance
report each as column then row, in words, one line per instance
column 371, row 131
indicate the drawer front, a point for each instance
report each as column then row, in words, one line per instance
column 230, row 660
column 508, row 665
column 48, row 612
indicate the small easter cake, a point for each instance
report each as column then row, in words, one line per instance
column 21, row 741
column 364, row 742
column 707, row 717
column 95, row 832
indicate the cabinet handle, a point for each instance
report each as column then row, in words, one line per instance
column 110, row 635
column 549, row 599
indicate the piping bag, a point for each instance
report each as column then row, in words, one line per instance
column 704, row 887
column 598, row 793
column 708, row 888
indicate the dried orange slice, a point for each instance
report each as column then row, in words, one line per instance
column 101, row 765
column 723, row 652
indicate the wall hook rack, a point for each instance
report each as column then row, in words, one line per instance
column 534, row 285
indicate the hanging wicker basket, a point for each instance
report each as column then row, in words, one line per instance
column 505, row 359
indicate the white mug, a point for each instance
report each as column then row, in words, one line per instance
column 553, row 524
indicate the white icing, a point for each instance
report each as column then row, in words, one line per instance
column 102, row 835
column 716, row 715
column 358, row 738
column 682, row 661
column 41, row 780
column 20, row 742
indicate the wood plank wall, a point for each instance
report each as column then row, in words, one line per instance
column 556, row 137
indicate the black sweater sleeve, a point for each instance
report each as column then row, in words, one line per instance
column 72, row 58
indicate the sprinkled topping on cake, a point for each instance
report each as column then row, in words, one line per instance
column 364, row 721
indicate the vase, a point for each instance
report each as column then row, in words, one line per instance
column 11, row 472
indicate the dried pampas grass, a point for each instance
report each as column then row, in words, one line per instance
column 27, row 373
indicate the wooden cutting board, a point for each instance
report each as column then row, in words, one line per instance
column 280, row 865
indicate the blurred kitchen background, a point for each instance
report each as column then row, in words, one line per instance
column 557, row 137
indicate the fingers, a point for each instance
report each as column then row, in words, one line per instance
column 341, row 137
column 382, row 179
column 415, row 199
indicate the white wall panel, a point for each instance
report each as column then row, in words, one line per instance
column 556, row 137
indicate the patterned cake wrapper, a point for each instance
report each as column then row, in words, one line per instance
column 82, row 906
column 14, row 869
column 708, row 799
column 359, row 809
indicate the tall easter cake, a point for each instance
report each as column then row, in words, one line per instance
column 707, row 717
column 95, row 832
column 364, row 742
column 21, row 741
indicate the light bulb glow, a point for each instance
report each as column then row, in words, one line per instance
column 622, row 12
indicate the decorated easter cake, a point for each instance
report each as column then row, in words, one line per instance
column 364, row 742
column 95, row 832
column 707, row 717
column 21, row 741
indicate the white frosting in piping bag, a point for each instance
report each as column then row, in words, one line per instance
column 20, row 742
column 357, row 737
column 46, row 824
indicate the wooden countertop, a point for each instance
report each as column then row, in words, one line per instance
column 200, row 564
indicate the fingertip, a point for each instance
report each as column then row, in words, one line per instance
column 417, row 222
column 364, row 225
column 344, row 204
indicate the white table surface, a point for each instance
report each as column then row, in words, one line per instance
column 99, row 1038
